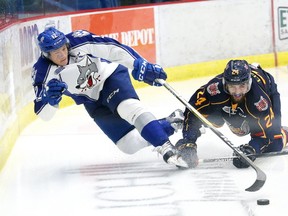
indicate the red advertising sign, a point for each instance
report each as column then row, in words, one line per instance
column 134, row 28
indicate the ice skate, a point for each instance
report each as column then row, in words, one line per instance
column 188, row 152
column 170, row 155
column 176, row 119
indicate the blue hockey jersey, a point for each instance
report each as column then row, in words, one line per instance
column 92, row 59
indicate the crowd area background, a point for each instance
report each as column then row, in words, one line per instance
column 13, row 10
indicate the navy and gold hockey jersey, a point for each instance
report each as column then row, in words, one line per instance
column 259, row 114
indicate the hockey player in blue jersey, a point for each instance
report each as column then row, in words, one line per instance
column 93, row 71
column 245, row 97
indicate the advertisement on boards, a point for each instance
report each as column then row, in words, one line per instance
column 134, row 28
column 281, row 24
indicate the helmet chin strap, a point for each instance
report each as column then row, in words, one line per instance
column 45, row 54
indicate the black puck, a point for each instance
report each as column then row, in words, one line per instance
column 263, row 202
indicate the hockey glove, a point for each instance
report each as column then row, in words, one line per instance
column 54, row 91
column 247, row 150
column 243, row 130
column 188, row 152
column 147, row 72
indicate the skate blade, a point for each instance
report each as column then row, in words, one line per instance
column 178, row 161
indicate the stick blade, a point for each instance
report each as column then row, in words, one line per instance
column 260, row 181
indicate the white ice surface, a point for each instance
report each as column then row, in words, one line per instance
column 68, row 167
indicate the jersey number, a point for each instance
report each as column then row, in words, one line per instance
column 200, row 99
column 268, row 118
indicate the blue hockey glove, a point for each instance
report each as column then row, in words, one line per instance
column 247, row 150
column 147, row 72
column 188, row 152
column 54, row 91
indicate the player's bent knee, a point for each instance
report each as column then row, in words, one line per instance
column 133, row 111
column 130, row 109
column 131, row 142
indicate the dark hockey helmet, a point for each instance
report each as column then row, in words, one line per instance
column 51, row 39
column 237, row 72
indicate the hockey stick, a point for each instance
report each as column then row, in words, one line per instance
column 261, row 176
column 263, row 155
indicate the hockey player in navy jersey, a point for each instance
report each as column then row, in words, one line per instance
column 245, row 97
column 93, row 71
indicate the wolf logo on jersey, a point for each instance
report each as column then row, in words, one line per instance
column 88, row 77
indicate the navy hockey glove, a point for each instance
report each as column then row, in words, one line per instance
column 147, row 72
column 188, row 152
column 247, row 150
column 54, row 91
